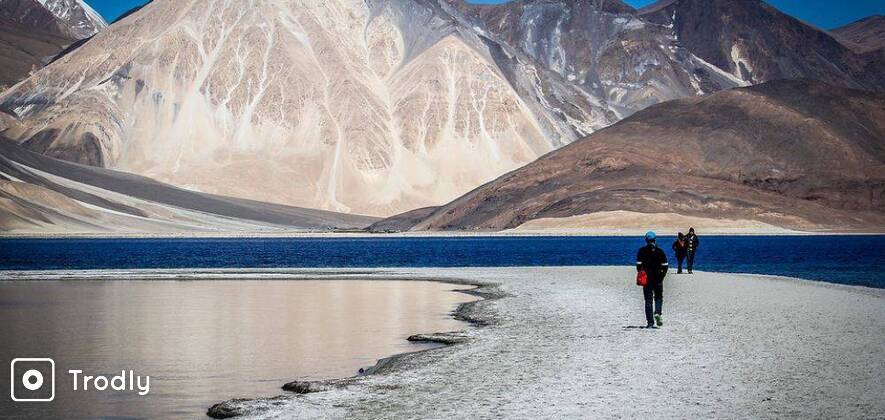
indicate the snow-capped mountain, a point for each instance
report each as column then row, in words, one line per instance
column 82, row 20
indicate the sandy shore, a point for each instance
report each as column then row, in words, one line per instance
column 620, row 223
column 563, row 343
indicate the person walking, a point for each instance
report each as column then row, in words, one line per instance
column 680, row 248
column 692, row 248
column 653, row 261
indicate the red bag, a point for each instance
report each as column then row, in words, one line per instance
column 641, row 279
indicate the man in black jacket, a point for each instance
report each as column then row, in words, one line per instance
column 692, row 242
column 653, row 261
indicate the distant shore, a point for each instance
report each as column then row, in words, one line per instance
column 608, row 223
column 439, row 234
column 567, row 342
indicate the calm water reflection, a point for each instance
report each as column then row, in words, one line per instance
column 206, row 341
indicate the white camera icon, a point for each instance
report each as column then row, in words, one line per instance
column 32, row 379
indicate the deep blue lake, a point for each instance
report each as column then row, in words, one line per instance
column 857, row 260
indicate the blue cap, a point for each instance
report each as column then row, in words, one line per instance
column 650, row 236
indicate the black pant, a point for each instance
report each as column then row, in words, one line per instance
column 680, row 258
column 690, row 260
column 653, row 291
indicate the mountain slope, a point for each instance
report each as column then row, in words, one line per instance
column 131, row 11
column 72, row 19
column 757, row 43
column 865, row 35
column 39, row 194
column 23, row 49
column 382, row 106
column 621, row 61
column 795, row 154
column 32, row 32
column 81, row 19
column 337, row 106
column 32, row 14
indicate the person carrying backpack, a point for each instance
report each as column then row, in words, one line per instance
column 680, row 248
column 652, row 261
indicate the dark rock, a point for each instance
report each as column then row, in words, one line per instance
column 306, row 387
column 227, row 409
column 243, row 406
column 447, row 338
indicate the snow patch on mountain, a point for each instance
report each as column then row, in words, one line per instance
column 742, row 67
column 83, row 19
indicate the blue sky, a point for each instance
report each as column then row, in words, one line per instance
column 111, row 9
column 826, row 14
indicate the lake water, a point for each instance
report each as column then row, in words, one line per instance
column 202, row 342
column 206, row 341
column 857, row 260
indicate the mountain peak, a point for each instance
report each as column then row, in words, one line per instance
column 72, row 19
column 864, row 35
column 83, row 20
column 756, row 42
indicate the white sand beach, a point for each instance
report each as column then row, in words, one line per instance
column 563, row 344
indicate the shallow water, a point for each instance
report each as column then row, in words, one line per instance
column 202, row 342
column 854, row 260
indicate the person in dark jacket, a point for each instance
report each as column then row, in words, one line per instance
column 692, row 241
column 653, row 261
column 680, row 248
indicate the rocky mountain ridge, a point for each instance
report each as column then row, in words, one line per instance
column 82, row 19
column 799, row 154
column 864, row 36
column 73, row 19
column 382, row 106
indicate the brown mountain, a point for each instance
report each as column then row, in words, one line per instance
column 379, row 114
column 756, row 42
column 69, row 18
column 383, row 106
column 31, row 14
column 23, row 49
column 796, row 154
column 33, row 32
column 865, row 35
